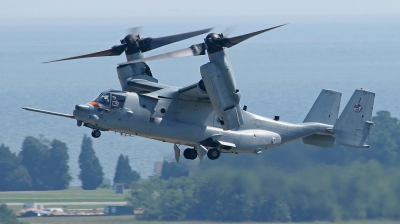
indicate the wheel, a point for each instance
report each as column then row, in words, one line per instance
column 96, row 133
column 213, row 154
column 190, row 153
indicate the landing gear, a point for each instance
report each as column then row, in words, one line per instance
column 96, row 133
column 190, row 153
column 213, row 154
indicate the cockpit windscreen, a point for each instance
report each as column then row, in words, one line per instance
column 112, row 100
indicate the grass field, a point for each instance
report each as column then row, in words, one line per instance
column 17, row 208
column 130, row 219
column 72, row 198
column 103, row 197
column 74, row 194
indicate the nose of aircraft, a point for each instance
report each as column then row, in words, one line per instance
column 83, row 112
column 83, row 108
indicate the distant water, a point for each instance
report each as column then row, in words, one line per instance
column 279, row 73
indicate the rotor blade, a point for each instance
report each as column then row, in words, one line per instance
column 229, row 42
column 194, row 50
column 134, row 30
column 148, row 44
column 115, row 50
column 228, row 30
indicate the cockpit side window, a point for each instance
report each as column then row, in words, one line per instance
column 117, row 101
column 104, row 99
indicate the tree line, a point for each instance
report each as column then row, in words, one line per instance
column 40, row 165
column 294, row 182
column 43, row 165
column 323, row 192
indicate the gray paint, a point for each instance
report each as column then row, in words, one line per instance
column 326, row 108
column 352, row 127
column 192, row 115
column 189, row 122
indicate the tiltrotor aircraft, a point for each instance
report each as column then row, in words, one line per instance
column 207, row 115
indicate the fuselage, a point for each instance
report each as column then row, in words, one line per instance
column 186, row 122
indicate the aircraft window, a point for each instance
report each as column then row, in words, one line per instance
column 117, row 101
column 97, row 97
column 104, row 99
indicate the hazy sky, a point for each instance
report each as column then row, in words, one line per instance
column 26, row 10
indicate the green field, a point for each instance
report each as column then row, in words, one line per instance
column 74, row 194
column 130, row 219
column 17, row 208
column 106, row 197
column 72, row 198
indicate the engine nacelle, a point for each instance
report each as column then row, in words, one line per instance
column 138, row 70
column 236, row 96
column 224, row 101
column 201, row 88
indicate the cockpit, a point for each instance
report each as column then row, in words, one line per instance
column 111, row 98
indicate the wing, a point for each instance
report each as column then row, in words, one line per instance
column 145, row 86
column 211, row 89
column 193, row 93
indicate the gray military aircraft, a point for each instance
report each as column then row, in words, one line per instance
column 207, row 116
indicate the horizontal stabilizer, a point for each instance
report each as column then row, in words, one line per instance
column 352, row 127
column 326, row 108
column 319, row 140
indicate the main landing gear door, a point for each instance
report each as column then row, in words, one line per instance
column 201, row 151
column 177, row 153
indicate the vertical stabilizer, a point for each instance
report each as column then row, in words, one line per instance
column 352, row 127
column 326, row 108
